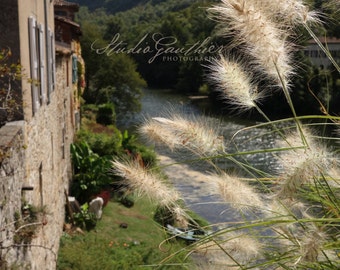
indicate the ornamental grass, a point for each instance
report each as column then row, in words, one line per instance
column 295, row 220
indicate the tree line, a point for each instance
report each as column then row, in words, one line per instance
column 168, row 44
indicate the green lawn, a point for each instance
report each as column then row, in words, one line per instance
column 109, row 246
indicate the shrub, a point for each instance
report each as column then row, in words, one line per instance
column 89, row 111
column 164, row 216
column 106, row 114
column 85, row 219
column 107, row 142
column 127, row 200
column 90, row 172
column 137, row 150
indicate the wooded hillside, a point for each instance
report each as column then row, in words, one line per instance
column 153, row 36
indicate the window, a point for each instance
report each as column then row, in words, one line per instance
column 60, row 13
column 42, row 63
column 63, row 144
column 53, row 60
column 67, row 74
column 37, row 63
column 50, row 64
column 74, row 68
column 40, row 53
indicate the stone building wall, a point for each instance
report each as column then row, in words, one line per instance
column 48, row 168
column 12, row 160
column 35, row 154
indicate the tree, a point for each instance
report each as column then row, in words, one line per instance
column 10, row 77
column 110, row 78
column 113, row 26
column 117, row 75
column 91, row 33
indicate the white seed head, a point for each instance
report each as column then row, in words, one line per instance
column 234, row 83
column 195, row 134
column 288, row 13
column 311, row 244
column 260, row 37
column 236, row 192
column 242, row 248
column 146, row 183
column 301, row 166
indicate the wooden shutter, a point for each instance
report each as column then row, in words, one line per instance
column 41, row 58
column 33, row 63
column 53, row 60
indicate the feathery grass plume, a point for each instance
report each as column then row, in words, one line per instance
column 311, row 245
column 153, row 132
column 146, row 183
column 306, row 244
column 288, row 13
column 236, row 192
column 231, row 248
column 243, row 248
column 195, row 134
column 285, row 209
column 334, row 179
column 233, row 83
column 261, row 37
column 302, row 166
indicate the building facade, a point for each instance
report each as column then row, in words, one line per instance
column 317, row 57
column 35, row 165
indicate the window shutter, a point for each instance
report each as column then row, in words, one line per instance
column 42, row 64
column 33, row 63
column 53, row 61
column 74, row 69
column 49, row 64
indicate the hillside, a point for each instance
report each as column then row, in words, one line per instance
column 143, row 24
column 184, row 21
column 114, row 6
column 110, row 5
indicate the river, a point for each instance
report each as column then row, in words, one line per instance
column 189, row 181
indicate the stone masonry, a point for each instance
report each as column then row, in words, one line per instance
column 35, row 163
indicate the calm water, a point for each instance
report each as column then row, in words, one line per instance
column 197, row 194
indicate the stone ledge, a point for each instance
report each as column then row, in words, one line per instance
column 9, row 132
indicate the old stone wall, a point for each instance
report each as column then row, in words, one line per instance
column 36, row 155
column 35, row 164
column 12, row 160
column 48, row 168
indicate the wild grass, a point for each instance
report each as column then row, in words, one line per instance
column 295, row 221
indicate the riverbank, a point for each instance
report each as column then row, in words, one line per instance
column 125, row 238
